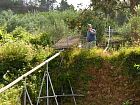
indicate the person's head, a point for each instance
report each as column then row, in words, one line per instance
column 89, row 26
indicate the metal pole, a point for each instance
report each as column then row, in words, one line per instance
column 41, row 88
column 55, row 96
column 64, row 95
column 28, row 73
column 109, row 34
column 18, row 100
column 108, row 40
column 25, row 92
column 109, row 37
column 47, row 85
column 72, row 93
column 28, row 96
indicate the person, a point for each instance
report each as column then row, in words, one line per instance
column 91, row 36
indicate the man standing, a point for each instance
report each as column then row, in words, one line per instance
column 91, row 36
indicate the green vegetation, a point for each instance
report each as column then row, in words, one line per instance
column 105, row 78
column 78, row 65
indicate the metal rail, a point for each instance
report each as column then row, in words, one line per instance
column 28, row 73
column 109, row 38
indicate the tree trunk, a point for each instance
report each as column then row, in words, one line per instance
column 132, row 6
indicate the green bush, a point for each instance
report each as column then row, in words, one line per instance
column 131, row 59
column 130, row 30
column 74, row 64
column 11, row 96
column 14, row 56
column 21, row 34
column 4, row 36
column 138, row 10
column 126, row 58
column 125, row 31
column 53, row 25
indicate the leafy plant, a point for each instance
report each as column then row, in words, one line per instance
column 128, row 102
column 11, row 96
column 14, row 56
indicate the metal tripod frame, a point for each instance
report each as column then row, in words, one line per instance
column 48, row 81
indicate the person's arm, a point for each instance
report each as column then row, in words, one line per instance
column 93, row 31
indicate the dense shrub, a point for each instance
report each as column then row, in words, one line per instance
column 21, row 34
column 53, row 25
column 11, row 96
column 14, row 56
column 130, row 30
column 125, row 31
column 126, row 58
column 135, row 27
column 73, row 65
column 4, row 36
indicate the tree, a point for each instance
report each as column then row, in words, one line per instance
column 64, row 5
column 132, row 4
column 5, row 4
column 48, row 4
column 108, row 7
column 42, row 2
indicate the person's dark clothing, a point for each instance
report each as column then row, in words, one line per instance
column 91, row 36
